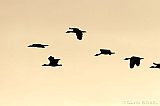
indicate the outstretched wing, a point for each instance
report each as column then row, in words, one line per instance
column 132, row 63
column 104, row 50
column 137, row 62
column 79, row 35
column 74, row 29
column 38, row 45
column 51, row 60
column 56, row 61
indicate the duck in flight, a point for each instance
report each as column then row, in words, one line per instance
column 134, row 61
column 156, row 66
column 105, row 52
column 79, row 33
column 38, row 45
column 53, row 62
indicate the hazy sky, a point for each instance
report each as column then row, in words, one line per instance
column 127, row 27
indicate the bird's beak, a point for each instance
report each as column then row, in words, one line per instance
column 126, row 58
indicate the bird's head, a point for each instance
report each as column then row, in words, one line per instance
column 127, row 58
column 30, row 46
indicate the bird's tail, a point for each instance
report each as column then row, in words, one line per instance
column 97, row 54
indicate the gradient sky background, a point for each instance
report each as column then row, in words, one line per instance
column 127, row 27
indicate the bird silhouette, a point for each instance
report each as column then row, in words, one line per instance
column 156, row 66
column 38, row 45
column 53, row 62
column 134, row 61
column 105, row 52
column 79, row 33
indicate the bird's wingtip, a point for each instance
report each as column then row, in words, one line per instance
column 44, row 65
column 151, row 67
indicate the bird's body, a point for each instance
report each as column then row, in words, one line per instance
column 78, row 32
column 156, row 66
column 105, row 52
column 53, row 62
column 38, row 45
column 134, row 61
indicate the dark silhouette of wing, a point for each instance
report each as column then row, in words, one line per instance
column 56, row 61
column 52, row 61
column 38, row 45
column 137, row 62
column 74, row 29
column 79, row 36
column 104, row 51
column 132, row 63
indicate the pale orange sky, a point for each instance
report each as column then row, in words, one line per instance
column 127, row 27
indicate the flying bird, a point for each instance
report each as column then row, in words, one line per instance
column 156, row 66
column 53, row 62
column 38, row 45
column 134, row 61
column 105, row 52
column 79, row 33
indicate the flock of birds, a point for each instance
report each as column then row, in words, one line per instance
column 134, row 60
